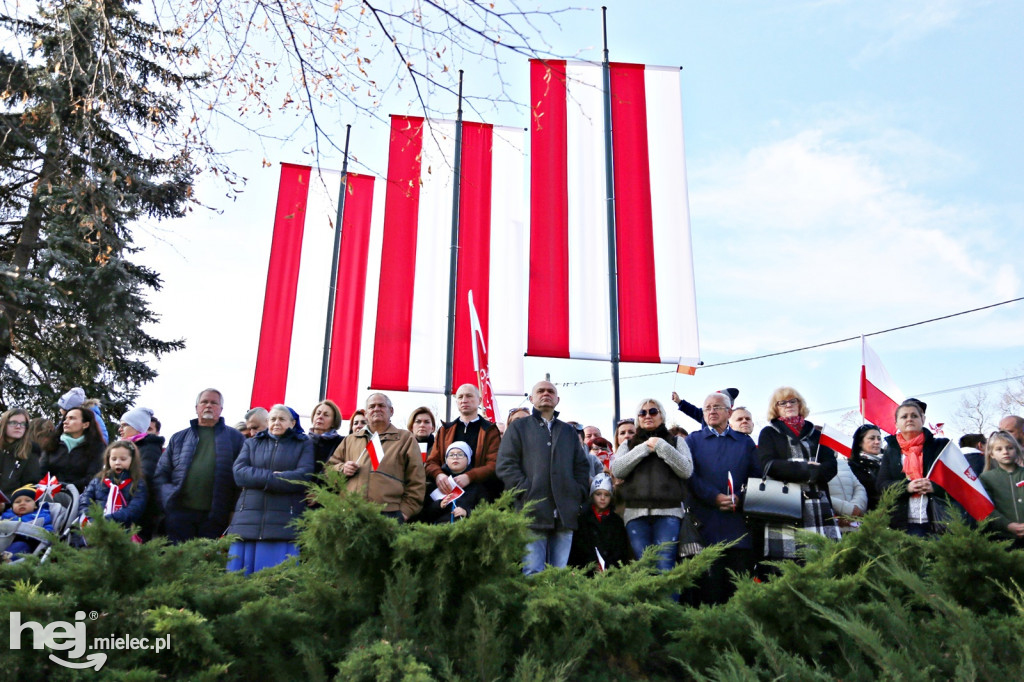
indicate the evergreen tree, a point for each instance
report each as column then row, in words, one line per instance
column 90, row 142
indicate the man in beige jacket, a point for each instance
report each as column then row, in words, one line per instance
column 398, row 482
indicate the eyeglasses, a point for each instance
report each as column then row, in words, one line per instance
column 457, row 453
column 716, row 408
column 18, row 425
column 787, row 403
column 654, row 412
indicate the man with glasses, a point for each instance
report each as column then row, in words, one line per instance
column 723, row 460
column 694, row 412
column 542, row 456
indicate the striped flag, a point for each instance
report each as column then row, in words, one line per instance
column 879, row 396
column 835, row 439
column 288, row 362
column 410, row 343
column 569, row 304
column 483, row 377
column 375, row 450
column 955, row 475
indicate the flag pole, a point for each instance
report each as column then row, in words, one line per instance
column 609, row 177
column 454, row 261
column 332, row 290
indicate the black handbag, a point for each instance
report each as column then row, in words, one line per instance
column 772, row 500
column 691, row 543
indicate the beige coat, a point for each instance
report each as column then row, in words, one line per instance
column 399, row 482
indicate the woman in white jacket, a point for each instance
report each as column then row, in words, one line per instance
column 849, row 496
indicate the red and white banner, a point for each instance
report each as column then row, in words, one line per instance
column 483, row 377
column 410, row 341
column 375, row 450
column 879, row 396
column 289, row 359
column 569, row 303
column 955, row 475
column 836, row 439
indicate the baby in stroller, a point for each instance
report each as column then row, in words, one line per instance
column 24, row 510
column 35, row 512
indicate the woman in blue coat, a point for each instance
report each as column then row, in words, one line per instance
column 271, row 471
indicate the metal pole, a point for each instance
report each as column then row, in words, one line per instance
column 609, row 179
column 454, row 261
column 332, row 290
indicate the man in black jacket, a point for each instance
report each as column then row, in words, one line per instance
column 543, row 457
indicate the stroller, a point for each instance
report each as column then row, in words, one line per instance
column 63, row 507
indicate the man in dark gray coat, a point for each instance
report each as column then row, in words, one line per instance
column 543, row 457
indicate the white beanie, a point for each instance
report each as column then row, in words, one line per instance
column 138, row 419
column 461, row 445
column 601, row 482
column 72, row 399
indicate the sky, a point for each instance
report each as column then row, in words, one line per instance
column 852, row 167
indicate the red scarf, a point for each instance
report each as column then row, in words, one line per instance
column 601, row 515
column 795, row 424
column 115, row 496
column 913, row 455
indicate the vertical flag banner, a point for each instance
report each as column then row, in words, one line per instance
column 483, row 377
column 568, row 223
column 410, row 337
column 298, row 282
column 955, row 475
column 879, row 396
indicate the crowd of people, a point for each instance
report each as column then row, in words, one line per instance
column 593, row 502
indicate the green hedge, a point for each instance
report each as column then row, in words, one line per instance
column 372, row 600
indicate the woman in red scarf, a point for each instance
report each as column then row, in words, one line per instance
column 790, row 451
column 906, row 459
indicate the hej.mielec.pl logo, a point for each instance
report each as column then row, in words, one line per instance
column 68, row 637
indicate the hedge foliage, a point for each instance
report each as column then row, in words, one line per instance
column 372, row 600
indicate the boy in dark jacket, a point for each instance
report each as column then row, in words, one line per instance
column 601, row 535
column 442, row 509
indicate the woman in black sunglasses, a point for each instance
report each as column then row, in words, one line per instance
column 654, row 467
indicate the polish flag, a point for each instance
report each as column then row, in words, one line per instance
column 410, row 334
column 375, row 450
column 483, row 377
column 879, row 396
column 290, row 355
column 569, row 304
column 836, row 440
column 955, row 475
column 450, row 498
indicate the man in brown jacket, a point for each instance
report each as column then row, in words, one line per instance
column 398, row 482
column 481, row 435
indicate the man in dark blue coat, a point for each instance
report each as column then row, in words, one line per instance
column 543, row 457
column 717, row 452
column 194, row 479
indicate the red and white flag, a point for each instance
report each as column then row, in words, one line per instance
column 732, row 490
column 569, row 303
column 483, row 377
column 955, row 475
column 375, row 450
column 450, row 498
column 837, row 440
column 600, row 560
column 879, row 396
column 289, row 359
column 410, row 341
column 47, row 487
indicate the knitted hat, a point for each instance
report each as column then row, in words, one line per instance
column 601, row 482
column 138, row 418
column 24, row 491
column 460, row 445
column 72, row 399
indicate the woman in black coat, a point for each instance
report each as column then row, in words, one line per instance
column 19, row 456
column 790, row 451
column 270, row 470
column 78, row 455
column 906, row 459
column 324, row 422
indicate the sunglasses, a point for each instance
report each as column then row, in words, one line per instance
column 654, row 412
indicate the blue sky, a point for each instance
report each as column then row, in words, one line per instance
column 853, row 166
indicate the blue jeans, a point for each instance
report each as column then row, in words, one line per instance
column 655, row 530
column 551, row 547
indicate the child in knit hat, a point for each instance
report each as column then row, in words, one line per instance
column 24, row 509
column 443, row 508
column 600, row 537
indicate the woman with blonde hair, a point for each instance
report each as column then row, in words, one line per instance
column 790, row 451
column 324, row 422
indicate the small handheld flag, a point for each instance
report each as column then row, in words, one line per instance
column 600, row 560
column 955, row 475
column 455, row 494
column 375, row 450
column 836, row 440
column 732, row 490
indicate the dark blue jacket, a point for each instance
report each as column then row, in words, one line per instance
column 714, row 457
column 130, row 513
column 271, row 501
column 177, row 458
